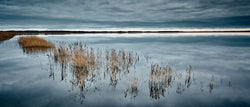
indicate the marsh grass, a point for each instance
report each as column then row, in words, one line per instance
column 159, row 73
column 61, row 54
column 81, row 75
column 160, row 79
column 33, row 45
column 33, row 41
column 79, row 59
column 6, row 36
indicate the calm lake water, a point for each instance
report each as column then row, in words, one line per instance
column 151, row 70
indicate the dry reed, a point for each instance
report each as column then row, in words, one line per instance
column 6, row 36
column 33, row 41
column 79, row 59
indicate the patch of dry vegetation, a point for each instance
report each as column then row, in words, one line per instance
column 61, row 55
column 82, row 59
column 6, row 36
column 160, row 78
column 32, row 41
column 79, row 59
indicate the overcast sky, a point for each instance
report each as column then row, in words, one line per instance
column 126, row 10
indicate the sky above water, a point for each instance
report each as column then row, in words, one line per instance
column 126, row 13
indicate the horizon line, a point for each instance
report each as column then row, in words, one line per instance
column 122, row 31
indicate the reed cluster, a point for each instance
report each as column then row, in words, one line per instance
column 160, row 78
column 33, row 41
column 160, row 73
column 79, row 59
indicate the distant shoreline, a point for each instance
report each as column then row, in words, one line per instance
column 120, row 31
column 8, row 34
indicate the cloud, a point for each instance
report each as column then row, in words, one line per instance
column 128, row 10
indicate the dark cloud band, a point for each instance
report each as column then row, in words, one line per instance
column 127, row 10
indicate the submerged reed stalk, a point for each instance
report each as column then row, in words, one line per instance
column 211, row 84
column 61, row 53
column 134, row 83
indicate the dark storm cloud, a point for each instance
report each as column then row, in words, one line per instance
column 126, row 10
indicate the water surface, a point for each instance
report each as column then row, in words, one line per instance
column 210, row 70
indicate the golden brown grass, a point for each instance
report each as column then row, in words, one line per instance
column 79, row 59
column 158, row 80
column 159, row 73
column 87, row 60
column 114, row 61
column 6, row 36
column 61, row 54
column 33, row 41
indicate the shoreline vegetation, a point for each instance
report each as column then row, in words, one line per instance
column 33, row 41
column 33, row 44
column 27, row 32
column 8, row 34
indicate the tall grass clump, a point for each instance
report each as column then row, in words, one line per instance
column 33, row 41
column 160, row 78
column 61, row 54
column 79, row 59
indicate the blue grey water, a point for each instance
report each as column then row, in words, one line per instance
column 26, row 81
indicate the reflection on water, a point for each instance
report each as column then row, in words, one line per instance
column 211, row 84
column 35, row 50
column 132, row 89
column 229, row 83
column 88, row 69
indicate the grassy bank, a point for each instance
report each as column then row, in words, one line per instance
column 6, row 36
